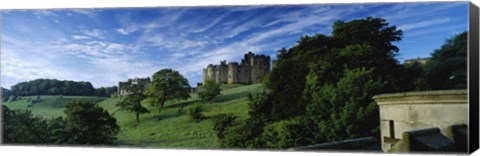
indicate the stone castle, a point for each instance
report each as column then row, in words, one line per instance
column 251, row 70
column 123, row 86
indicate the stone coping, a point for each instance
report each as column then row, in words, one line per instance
column 424, row 97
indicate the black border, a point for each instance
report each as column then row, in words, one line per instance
column 473, row 67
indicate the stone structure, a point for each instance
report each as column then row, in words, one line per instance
column 123, row 86
column 250, row 70
column 417, row 60
column 402, row 114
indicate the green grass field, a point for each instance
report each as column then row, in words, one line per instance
column 50, row 105
column 171, row 129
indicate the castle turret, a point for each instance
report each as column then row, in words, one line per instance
column 233, row 72
column 210, row 72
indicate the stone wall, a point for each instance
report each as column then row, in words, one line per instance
column 402, row 112
column 251, row 70
column 123, row 86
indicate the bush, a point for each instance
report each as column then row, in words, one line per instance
column 221, row 122
column 287, row 134
column 195, row 113
column 212, row 90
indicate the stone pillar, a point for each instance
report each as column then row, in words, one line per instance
column 408, row 111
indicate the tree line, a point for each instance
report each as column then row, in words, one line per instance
column 57, row 87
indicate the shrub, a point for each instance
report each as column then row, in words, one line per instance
column 221, row 122
column 195, row 113
column 212, row 90
column 287, row 134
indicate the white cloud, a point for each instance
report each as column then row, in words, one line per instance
column 88, row 12
column 40, row 13
column 122, row 31
column 422, row 24
column 94, row 33
column 79, row 37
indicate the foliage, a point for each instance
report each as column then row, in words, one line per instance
column 166, row 85
column 5, row 94
column 105, row 91
column 287, row 133
column 195, row 113
column 132, row 101
column 346, row 109
column 243, row 135
column 211, row 90
column 448, row 66
column 325, row 84
column 22, row 127
column 87, row 123
column 52, row 87
column 221, row 122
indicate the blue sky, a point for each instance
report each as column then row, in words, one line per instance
column 105, row 46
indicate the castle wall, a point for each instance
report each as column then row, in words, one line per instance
column 123, row 86
column 251, row 70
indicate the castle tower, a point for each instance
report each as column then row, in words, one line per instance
column 210, row 72
column 233, row 72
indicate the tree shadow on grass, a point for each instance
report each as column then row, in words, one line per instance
column 224, row 98
column 182, row 104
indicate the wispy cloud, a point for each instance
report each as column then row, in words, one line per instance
column 88, row 12
column 94, row 33
column 79, row 37
column 423, row 24
column 40, row 13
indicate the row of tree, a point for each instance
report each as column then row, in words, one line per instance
column 57, row 87
column 321, row 89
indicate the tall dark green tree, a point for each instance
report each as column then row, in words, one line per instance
column 325, row 85
column 448, row 66
column 88, row 124
column 166, row 85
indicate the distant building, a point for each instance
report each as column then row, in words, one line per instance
column 250, row 70
column 417, row 60
column 123, row 86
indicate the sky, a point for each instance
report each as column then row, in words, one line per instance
column 105, row 46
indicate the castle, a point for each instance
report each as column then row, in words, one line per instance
column 251, row 69
column 123, row 86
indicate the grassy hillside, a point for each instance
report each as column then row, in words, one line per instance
column 172, row 128
column 48, row 106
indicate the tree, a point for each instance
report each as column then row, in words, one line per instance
column 448, row 66
column 166, row 85
column 132, row 101
column 87, row 123
column 21, row 126
column 212, row 89
column 325, row 84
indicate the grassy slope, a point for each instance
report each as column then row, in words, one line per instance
column 50, row 106
column 172, row 128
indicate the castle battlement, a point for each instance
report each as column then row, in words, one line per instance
column 250, row 70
